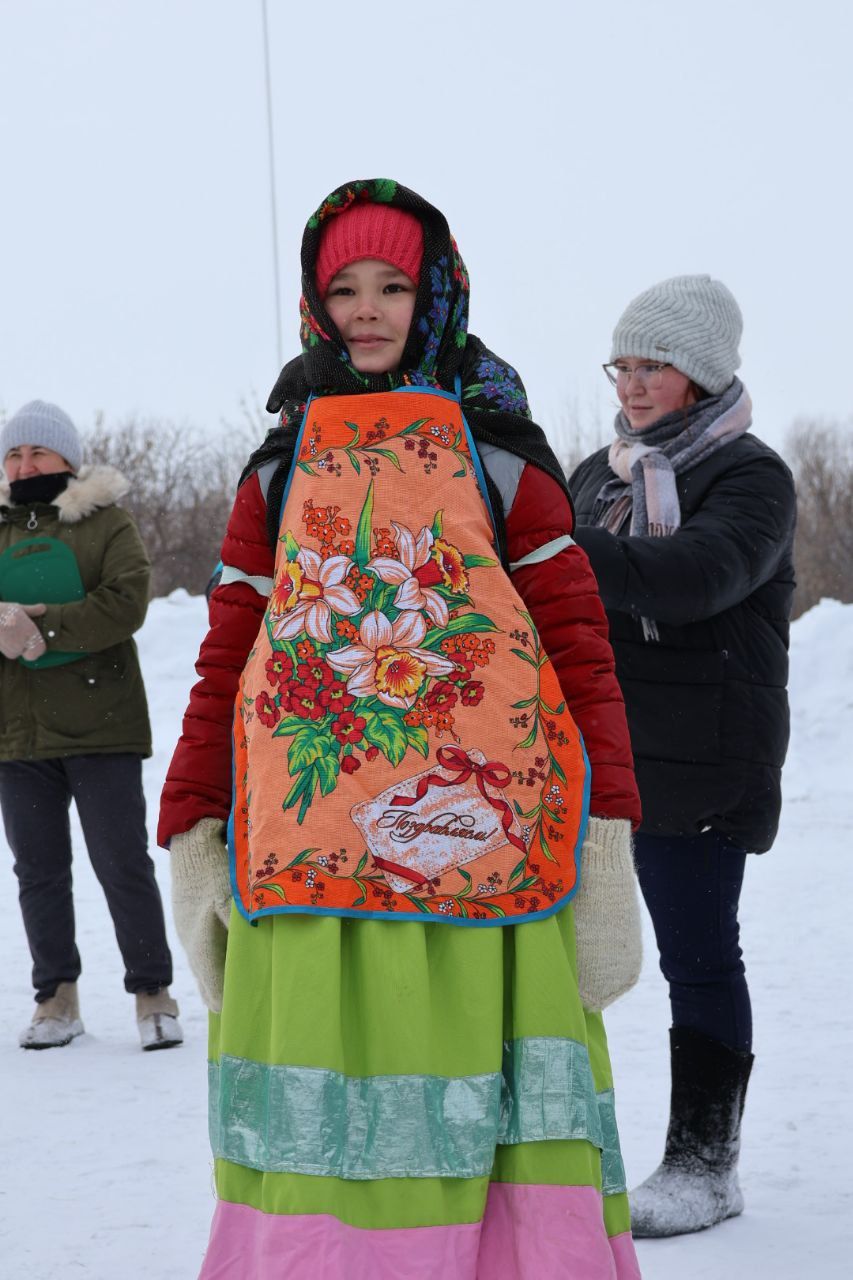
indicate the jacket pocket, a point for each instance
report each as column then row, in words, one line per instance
column 82, row 705
column 674, row 700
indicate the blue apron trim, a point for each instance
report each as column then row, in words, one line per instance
column 295, row 461
column 425, row 391
column 429, row 391
column 492, row 922
column 481, row 480
column 357, row 914
column 475, row 457
column 417, row 917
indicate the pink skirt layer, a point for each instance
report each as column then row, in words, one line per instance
column 527, row 1233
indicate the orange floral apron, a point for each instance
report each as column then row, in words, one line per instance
column 401, row 744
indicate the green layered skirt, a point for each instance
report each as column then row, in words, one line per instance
column 407, row 1101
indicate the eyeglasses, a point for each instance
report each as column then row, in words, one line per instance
column 650, row 375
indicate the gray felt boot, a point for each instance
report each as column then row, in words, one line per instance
column 696, row 1184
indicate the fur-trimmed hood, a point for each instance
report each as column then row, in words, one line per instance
column 92, row 488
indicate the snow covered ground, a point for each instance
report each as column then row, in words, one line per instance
column 104, row 1165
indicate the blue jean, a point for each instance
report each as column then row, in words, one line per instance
column 691, row 885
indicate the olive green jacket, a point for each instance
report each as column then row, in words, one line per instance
column 95, row 704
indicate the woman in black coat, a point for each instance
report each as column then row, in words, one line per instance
column 688, row 521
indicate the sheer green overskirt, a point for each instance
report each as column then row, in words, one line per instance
column 370, row 998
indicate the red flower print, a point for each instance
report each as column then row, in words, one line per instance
column 335, row 698
column 372, row 752
column 278, row 669
column 441, row 697
column 349, row 727
column 268, row 712
column 472, row 693
column 305, row 703
column 315, row 674
column 463, row 664
column 305, row 649
column 349, row 764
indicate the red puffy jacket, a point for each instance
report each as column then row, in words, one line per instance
column 560, row 593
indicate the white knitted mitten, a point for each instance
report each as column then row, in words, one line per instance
column 201, row 903
column 607, row 914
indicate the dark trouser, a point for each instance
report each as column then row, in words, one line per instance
column 691, row 885
column 35, row 797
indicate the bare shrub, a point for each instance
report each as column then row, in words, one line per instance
column 183, row 485
column 820, row 454
column 182, row 489
column 577, row 432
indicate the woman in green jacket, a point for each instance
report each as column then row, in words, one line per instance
column 74, row 580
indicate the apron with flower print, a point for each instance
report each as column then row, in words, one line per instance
column 401, row 745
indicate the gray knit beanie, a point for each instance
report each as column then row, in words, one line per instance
column 692, row 322
column 46, row 424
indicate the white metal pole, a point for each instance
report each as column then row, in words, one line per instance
column 273, row 214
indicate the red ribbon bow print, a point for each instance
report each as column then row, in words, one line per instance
column 406, row 873
column 493, row 773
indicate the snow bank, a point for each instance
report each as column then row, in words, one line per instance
column 103, row 1149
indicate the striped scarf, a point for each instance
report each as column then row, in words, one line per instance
column 646, row 465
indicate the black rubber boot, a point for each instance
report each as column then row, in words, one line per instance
column 696, row 1184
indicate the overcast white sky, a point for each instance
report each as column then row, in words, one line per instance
column 580, row 151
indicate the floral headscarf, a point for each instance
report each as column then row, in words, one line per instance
column 438, row 352
column 438, row 349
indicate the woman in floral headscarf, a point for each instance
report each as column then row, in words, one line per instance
column 409, row 1074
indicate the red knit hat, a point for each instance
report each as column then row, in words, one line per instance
column 370, row 231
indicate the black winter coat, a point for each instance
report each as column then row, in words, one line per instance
column 707, row 703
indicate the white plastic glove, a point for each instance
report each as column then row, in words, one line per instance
column 19, row 635
column 607, row 914
column 201, row 903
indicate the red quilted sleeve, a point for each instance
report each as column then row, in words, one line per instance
column 198, row 783
column 562, row 597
